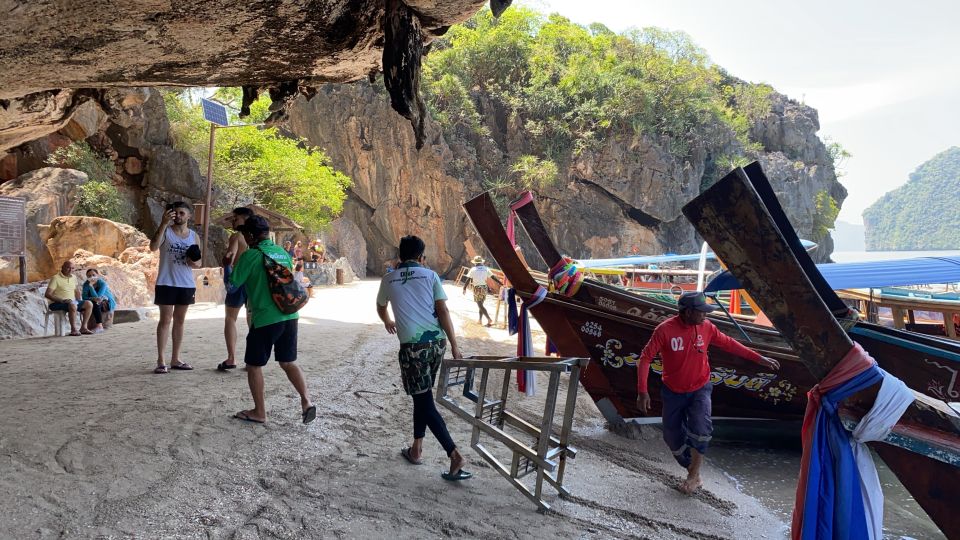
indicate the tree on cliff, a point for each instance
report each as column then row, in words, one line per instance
column 569, row 85
column 921, row 214
column 259, row 164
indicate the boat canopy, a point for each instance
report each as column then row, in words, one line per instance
column 862, row 275
column 637, row 260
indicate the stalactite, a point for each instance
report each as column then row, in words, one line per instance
column 402, row 54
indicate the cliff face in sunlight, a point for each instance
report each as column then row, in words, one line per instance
column 622, row 197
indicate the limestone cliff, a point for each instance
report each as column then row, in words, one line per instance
column 622, row 197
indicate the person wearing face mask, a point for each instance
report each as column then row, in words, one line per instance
column 682, row 342
column 97, row 292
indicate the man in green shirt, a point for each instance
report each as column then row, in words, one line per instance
column 270, row 328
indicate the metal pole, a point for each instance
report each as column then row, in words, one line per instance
column 23, row 268
column 206, row 208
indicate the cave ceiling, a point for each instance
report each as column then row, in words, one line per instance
column 57, row 54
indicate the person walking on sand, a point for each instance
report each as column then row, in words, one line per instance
column 236, row 299
column 270, row 328
column 175, row 289
column 424, row 327
column 478, row 276
column 682, row 342
column 64, row 295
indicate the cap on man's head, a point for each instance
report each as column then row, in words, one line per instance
column 255, row 225
column 478, row 260
column 695, row 300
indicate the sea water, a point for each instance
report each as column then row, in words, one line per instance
column 769, row 473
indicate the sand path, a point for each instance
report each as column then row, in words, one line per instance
column 92, row 444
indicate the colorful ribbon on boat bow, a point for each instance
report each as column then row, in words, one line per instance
column 525, row 198
column 526, row 380
column 838, row 492
column 565, row 277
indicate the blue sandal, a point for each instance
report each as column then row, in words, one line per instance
column 456, row 477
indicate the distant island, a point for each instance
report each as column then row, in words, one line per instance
column 848, row 236
column 923, row 213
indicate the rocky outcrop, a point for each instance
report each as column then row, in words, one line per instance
column 67, row 234
column 129, row 284
column 49, row 192
column 22, row 310
column 345, row 239
column 49, row 52
column 396, row 189
column 326, row 273
column 622, row 196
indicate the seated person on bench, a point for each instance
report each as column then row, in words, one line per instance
column 64, row 295
column 96, row 290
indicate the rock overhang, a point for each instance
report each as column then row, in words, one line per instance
column 57, row 53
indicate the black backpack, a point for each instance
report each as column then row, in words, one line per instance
column 288, row 293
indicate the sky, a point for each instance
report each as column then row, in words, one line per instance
column 884, row 75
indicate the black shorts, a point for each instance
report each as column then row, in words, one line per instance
column 260, row 341
column 61, row 306
column 165, row 295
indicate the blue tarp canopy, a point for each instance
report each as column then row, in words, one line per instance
column 862, row 275
column 637, row 260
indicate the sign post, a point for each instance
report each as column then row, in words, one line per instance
column 216, row 114
column 13, row 231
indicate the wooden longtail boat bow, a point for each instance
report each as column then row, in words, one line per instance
column 733, row 219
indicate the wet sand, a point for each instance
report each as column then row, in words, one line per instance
column 92, row 444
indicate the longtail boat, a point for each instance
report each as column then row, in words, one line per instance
column 613, row 331
column 925, row 363
column 757, row 244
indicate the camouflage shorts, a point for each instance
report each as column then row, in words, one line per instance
column 419, row 363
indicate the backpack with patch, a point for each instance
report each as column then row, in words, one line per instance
column 288, row 294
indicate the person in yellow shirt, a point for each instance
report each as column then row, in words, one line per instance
column 64, row 295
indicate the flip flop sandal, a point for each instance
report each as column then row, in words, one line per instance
column 161, row 369
column 223, row 366
column 456, row 477
column 409, row 457
column 310, row 414
column 74, row 334
column 183, row 366
column 242, row 415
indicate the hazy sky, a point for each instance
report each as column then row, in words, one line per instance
column 884, row 75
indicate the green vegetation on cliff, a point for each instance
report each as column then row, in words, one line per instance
column 921, row 214
column 96, row 197
column 259, row 164
column 568, row 86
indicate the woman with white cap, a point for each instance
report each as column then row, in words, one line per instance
column 478, row 276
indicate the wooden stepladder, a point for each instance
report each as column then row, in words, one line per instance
column 547, row 456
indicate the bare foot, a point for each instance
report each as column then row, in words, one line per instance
column 691, row 485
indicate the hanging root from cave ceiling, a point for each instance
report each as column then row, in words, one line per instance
column 402, row 54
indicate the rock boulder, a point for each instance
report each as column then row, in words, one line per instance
column 128, row 282
column 50, row 192
column 67, row 234
column 22, row 310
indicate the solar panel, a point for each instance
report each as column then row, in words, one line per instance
column 214, row 112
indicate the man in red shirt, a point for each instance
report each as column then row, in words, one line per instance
column 682, row 342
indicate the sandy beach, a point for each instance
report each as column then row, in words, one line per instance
column 93, row 445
